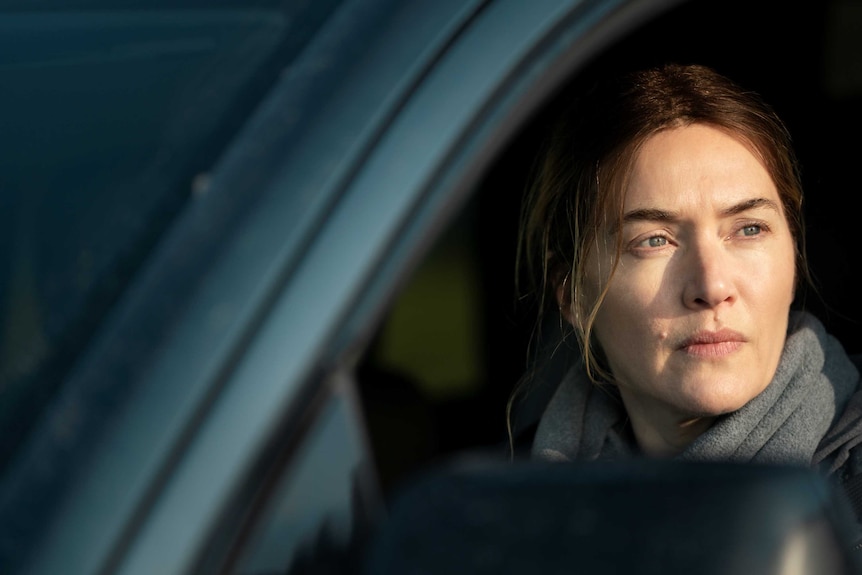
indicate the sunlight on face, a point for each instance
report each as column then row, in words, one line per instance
column 696, row 314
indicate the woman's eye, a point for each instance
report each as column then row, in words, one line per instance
column 654, row 242
column 751, row 230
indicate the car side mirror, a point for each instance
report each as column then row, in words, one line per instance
column 636, row 517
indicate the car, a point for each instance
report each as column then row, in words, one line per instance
column 257, row 258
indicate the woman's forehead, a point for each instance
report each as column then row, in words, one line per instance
column 693, row 167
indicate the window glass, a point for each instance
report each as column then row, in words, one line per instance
column 112, row 113
column 326, row 500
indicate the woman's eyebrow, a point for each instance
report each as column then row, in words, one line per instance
column 659, row 215
column 649, row 214
column 752, row 204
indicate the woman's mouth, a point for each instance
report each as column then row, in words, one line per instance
column 713, row 343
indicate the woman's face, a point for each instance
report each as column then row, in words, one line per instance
column 695, row 317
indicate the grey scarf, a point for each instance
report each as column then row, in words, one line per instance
column 811, row 389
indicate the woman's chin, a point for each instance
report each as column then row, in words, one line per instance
column 714, row 404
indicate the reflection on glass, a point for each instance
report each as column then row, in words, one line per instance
column 326, row 498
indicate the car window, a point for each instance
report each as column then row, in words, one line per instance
column 111, row 114
column 325, row 501
column 460, row 304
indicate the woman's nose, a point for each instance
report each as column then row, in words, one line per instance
column 708, row 276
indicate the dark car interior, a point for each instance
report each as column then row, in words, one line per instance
column 454, row 344
column 460, row 309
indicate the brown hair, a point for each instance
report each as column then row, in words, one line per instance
column 582, row 175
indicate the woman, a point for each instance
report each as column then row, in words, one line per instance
column 665, row 227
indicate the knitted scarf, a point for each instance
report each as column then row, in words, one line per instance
column 814, row 385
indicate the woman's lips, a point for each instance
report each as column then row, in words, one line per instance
column 713, row 343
